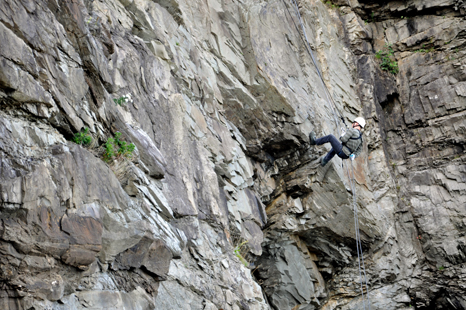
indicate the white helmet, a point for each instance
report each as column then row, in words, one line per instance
column 360, row 121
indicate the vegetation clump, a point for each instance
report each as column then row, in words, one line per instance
column 238, row 254
column 123, row 100
column 116, row 148
column 387, row 56
column 330, row 4
column 83, row 137
column 424, row 49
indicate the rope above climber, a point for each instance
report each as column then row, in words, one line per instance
column 349, row 147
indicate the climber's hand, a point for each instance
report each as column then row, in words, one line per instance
column 352, row 156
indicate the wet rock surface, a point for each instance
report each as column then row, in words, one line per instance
column 223, row 203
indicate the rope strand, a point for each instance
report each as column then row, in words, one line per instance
column 309, row 50
column 359, row 235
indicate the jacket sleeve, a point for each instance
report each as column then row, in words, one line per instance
column 346, row 136
column 358, row 150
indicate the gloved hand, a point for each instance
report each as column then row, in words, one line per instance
column 343, row 131
column 352, row 156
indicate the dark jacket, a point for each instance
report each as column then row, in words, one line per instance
column 352, row 142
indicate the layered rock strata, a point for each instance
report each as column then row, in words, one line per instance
column 223, row 204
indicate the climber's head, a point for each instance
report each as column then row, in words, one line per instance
column 360, row 122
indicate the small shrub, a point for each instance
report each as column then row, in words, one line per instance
column 116, row 148
column 109, row 152
column 83, row 137
column 388, row 63
column 441, row 268
column 123, row 100
column 125, row 149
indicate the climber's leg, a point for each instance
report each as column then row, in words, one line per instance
column 325, row 159
column 336, row 148
column 336, row 145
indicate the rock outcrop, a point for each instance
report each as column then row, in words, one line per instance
column 223, row 203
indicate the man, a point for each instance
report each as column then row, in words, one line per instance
column 350, row 147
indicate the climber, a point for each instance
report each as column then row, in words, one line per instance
column 350, row 147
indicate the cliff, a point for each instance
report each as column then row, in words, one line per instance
column 222, row 203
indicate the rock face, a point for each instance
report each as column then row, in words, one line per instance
column 223, row 203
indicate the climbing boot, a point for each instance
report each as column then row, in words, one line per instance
column 312, row 138
column 323, row 161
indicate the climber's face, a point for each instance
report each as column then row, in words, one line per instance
column 356, row 125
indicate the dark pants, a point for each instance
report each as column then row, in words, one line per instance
column 336, row 147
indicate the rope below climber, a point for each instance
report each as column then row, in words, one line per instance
column 350, row 146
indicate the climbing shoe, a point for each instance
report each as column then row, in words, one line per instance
column 312, row 138
column 323, row 161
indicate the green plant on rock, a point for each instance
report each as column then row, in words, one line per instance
column 83, row 137
column 116, row 148
column 441, row 268
column 387, row 56
column 123, row 100
column 425, row 50
column 109, row 152
column 238, row 254
column 330, row 4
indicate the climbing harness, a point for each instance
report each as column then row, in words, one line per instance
column 342, row 154
column 362, row 268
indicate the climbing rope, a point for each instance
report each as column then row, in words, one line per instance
column 358, row 238
column 309, row 50
column 362, row 268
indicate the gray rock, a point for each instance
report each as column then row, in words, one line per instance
column 224, row 97
column 149, row 153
